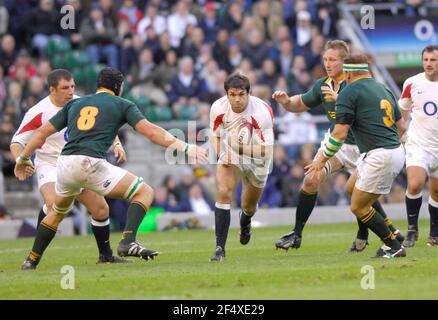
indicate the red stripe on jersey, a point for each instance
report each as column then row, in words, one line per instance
column 33, row 124
column 270, row 110
column 258, row 129
column 218, row 121
column 407, row 92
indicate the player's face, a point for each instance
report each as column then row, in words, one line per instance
column 333, row 63
column 238, row 99
column 430, row 63
column 64, row 91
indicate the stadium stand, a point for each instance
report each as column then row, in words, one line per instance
column 175, row 55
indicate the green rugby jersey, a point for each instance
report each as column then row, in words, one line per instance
column 93, row 122
column 314, row 97
column 375, row 112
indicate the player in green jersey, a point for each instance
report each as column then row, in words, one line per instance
column 325, row 92
column 372, row 113
column 92, row 123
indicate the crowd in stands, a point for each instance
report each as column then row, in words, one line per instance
column 175, row 56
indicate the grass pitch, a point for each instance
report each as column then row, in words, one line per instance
column 320, row 269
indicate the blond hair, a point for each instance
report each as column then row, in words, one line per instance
column 339, row 45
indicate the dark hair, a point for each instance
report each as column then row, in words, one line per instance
column 56, row 75
column 110, row 78
column 237, row 80
column 430, row 48
column 357, row 59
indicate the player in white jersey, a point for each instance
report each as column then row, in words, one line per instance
column 62, row 86
column 420, row 100
column 242, row 137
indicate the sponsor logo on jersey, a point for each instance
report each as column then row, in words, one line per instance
column 106, row 183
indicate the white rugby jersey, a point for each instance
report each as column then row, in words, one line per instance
column 258, row 113
column 421, row 94
column 36, row 117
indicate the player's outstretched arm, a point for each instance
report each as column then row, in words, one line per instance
column 23, row 162
column 292, row 104
column 163, row 138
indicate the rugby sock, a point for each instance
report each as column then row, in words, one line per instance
column 376, row 205
column 222, row 223
column 413, row 206
column 362, row 233
column 101, row 231
column 376, row 223
column 44, row 236
column 41, row 215
column 306, row 203
column 136, row 213
column 244, row 219
column 433, row 211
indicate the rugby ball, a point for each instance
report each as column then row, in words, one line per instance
column 244, row 135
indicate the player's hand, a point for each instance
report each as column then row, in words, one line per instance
column 120, row 154
column 281, row 97
column 200, row 154
column 23, row 169
column 329, row 93
column 315, row 168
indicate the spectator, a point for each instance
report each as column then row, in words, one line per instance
column 326, row 21
column 43, row 69
column 6, row 134
column 128, row 56
column 178, row 21
column 166, row 70
column 280, row 165
column 145, row 68
column 3, row 91
column 37, row 88
column 191, row 45
column 18, row 12
column 266, row 21
column 98, row 33
column 110, row 12
column 285, row 57
column 161, row 200
column 291, row 184
column 4, row 19
column 130, row 12
column 256, row 50
column 8, row 53
column 235, row 55
column 220, row 48
column 336, row 195
column 171, row 185
column 209, row 23
column 74, row 35
column 15, row 93
column 186, row 88
column 23, row 62
column 152, row 19
column 43, row 24
column 295, row 130
column 198, row 203
column 268, row 75
column 303, row 29
column 233, row 17
column 313, row 55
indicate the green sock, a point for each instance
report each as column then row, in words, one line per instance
column 362, row 233
column 306, row 203
column 136, row 213
column 43, row 238
column 379, row 209
column 376, row 223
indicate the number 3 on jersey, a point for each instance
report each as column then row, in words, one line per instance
column 388, row 120
column 87, row 118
